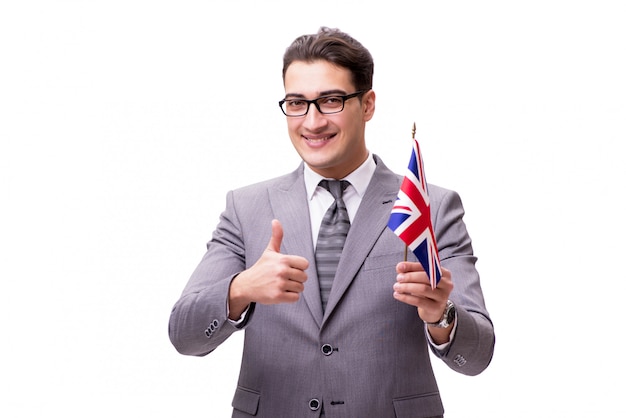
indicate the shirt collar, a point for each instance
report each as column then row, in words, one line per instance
column 359, row 178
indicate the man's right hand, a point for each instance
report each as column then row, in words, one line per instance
column 274, row 278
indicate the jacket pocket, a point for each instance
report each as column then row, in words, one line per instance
column 246, row 400
column 419, row 406
column 382, row 261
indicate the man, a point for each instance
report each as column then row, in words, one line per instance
column 357, row 346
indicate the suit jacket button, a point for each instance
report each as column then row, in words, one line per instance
column 314, row 404
column 327, row 349
column 212, row 328
column 459, row 360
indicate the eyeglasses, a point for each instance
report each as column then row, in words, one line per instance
column 326, row 105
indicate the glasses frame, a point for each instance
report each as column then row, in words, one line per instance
column 343, row 97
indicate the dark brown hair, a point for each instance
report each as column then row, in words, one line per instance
column 336, row 47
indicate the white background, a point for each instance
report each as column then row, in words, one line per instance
column 124, row 123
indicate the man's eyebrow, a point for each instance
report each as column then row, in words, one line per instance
column 294, row 96
column 335, row 92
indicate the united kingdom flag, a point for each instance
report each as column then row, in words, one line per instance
column 410, row 217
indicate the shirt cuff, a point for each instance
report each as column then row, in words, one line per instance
column 242, row 319
column 441, row 347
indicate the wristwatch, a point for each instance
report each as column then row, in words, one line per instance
column 449, row 314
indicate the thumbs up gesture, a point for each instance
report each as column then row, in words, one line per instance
column 274, row 278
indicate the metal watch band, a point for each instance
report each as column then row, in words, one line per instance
column 449, row 314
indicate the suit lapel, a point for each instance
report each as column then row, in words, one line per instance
column 369, row 222
column 290, row 206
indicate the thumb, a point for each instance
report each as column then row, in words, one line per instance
column 277, row 236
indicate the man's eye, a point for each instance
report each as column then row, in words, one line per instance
column 331, row 100
column 295, row 103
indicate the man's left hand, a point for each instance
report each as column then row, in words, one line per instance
column 413, row 287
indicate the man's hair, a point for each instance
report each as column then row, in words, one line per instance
column 336, row 47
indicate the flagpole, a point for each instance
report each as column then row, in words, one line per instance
column 406, row 247
column 411, row 219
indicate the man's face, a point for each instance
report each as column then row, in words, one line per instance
column 332, row 145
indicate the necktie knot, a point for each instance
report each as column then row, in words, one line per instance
column 335, row 187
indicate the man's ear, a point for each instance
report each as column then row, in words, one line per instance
column 369, row 105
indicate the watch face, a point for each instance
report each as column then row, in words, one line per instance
column 451, row 314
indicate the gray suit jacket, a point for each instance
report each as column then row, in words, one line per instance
column 367, row 354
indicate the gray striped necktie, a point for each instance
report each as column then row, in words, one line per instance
column 332, row 235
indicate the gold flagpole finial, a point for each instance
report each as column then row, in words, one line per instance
column 413, row 133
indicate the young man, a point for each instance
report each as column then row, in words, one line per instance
column 357, row 345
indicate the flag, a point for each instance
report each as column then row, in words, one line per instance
column 410, row 217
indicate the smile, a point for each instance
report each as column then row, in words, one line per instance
column 318, row 140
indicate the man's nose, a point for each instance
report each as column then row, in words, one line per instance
column 314, row 117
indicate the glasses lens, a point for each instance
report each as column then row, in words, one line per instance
column 294, row 107
column 330, row 104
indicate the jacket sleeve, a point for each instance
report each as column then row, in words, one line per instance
column 199, row 319
column 471, row 350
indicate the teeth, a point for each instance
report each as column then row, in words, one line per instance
column 317, row 140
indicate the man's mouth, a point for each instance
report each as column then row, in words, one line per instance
column 318, row 139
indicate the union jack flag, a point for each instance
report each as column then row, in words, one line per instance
column 410, row 217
